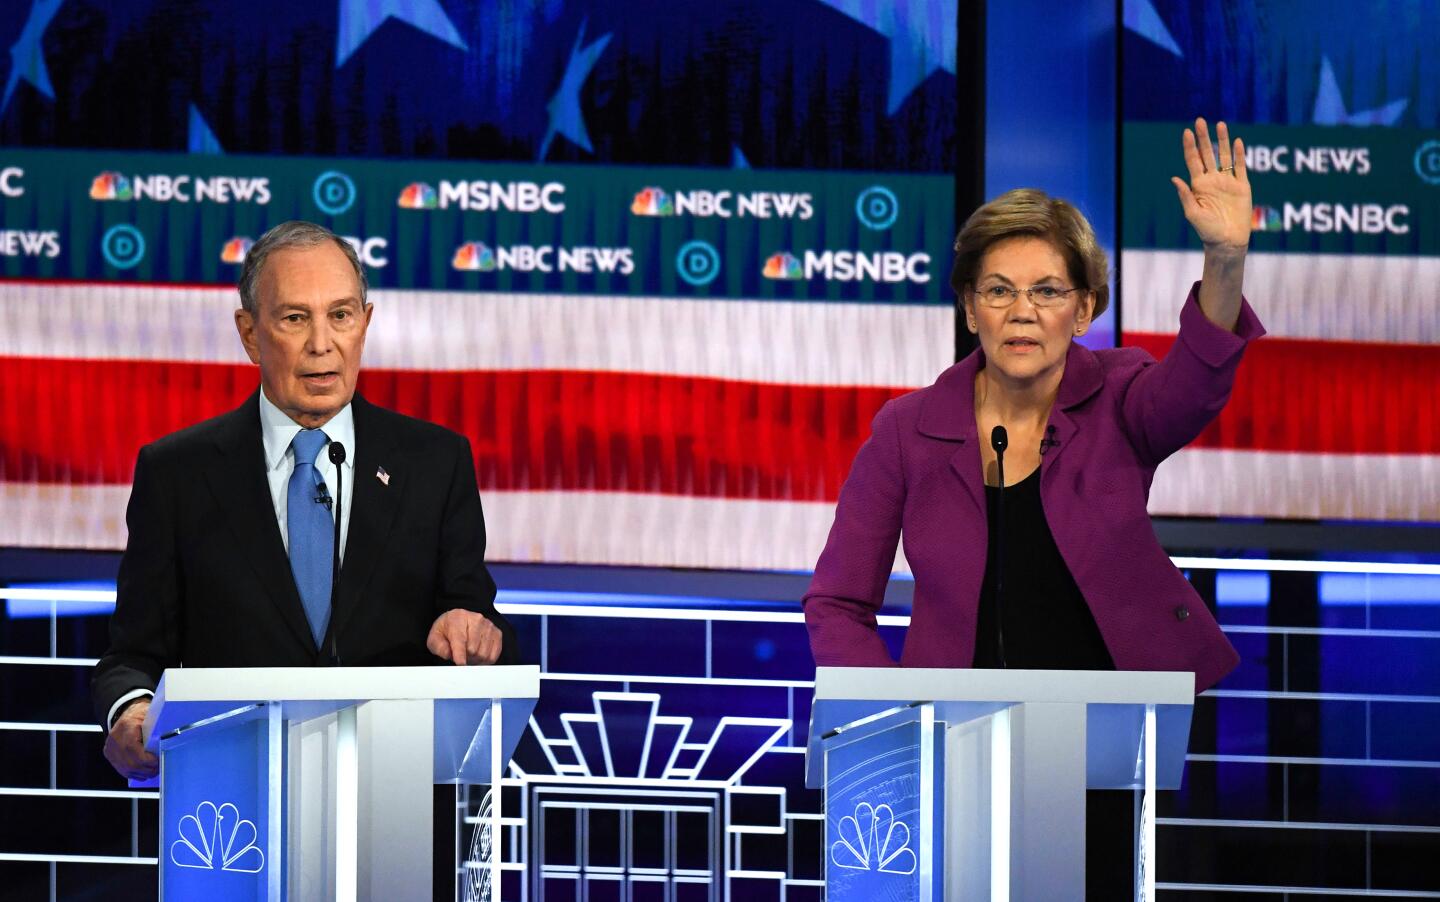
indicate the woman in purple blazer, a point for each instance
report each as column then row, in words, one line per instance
column 1083, row 583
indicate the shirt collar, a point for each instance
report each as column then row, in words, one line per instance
column 277, row 431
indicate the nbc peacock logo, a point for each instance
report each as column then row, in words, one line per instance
column 217, row 838
column 652, row 201
column 418, row 196
column 235, row 249
column 111, row 186
column 873, row 839
column 1266, row 219
column 783, row 265
column 473, row 256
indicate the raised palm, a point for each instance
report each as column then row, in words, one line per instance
column 1217, row 200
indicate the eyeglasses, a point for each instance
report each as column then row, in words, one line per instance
column 998, row 296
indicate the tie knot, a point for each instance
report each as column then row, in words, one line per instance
column 307, row 444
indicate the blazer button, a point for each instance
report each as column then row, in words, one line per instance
column 1181, row 613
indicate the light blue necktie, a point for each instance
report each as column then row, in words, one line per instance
column 312, row 531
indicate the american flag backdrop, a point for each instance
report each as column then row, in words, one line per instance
column 738, row 251
column 1336, row 412
column 626, row 430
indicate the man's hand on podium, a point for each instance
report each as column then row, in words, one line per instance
column 125, row 744
column 465, row 637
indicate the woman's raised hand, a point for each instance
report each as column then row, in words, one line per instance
column 1217, row 201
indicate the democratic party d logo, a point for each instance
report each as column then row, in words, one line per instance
column 334, row 192
column 123, row 246
column 877, row 208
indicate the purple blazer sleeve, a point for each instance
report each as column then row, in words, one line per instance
column 850, row 577
column 1170, row 402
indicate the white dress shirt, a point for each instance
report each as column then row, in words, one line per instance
column 277, row 431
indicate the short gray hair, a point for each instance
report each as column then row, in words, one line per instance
column 295, row 233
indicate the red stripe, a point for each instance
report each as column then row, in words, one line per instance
column 1326, row 396
column 530, row 430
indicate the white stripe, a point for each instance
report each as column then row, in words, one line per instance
column 1298, row 890
column 892, row 345
column 658, row 530
column 1332, row 297
column 1210, row 482
column 76, row 859
column 558, row 527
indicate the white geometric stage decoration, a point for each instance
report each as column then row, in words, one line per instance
column 584, row 793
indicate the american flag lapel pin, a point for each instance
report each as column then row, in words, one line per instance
column 381, row 475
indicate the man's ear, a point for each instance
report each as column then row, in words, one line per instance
column 245, row 325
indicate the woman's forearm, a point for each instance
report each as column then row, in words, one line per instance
column 1220, row 286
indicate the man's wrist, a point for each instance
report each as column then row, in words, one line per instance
column 125, row 701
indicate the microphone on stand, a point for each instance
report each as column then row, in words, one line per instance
column 337, row 457
column 1000, row 441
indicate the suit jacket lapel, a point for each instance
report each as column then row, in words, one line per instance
column 1083, row 378
column 237, row 480
column 373, row 507
column 949, row 414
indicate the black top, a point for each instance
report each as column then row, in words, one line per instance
column 1048, row 625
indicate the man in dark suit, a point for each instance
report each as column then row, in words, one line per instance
column 232, row 524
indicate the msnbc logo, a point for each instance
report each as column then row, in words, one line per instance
column 1265, row 219
column 783, row 265
column 473, row 256
column 652, row 202
column 110, row 186
column 235, row 249
column 418, row 196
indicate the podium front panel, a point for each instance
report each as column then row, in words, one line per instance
column 882, row 785
column 219, row 811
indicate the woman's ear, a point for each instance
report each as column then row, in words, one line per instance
column 1085, row 315
column 966, row 306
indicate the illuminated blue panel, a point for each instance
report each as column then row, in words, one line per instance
column 1379, row 589
column 19, row 608
column 1234, row 588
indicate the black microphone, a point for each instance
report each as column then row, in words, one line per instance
column 999, row 440
column 337, row 457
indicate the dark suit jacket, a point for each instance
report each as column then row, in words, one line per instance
column 1118, row 414
column 205, row 580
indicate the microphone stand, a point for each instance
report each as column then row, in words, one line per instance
column 337, row 457
column 1000, row 441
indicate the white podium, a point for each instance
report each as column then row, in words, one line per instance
column 970, row 784
column 316, row 783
